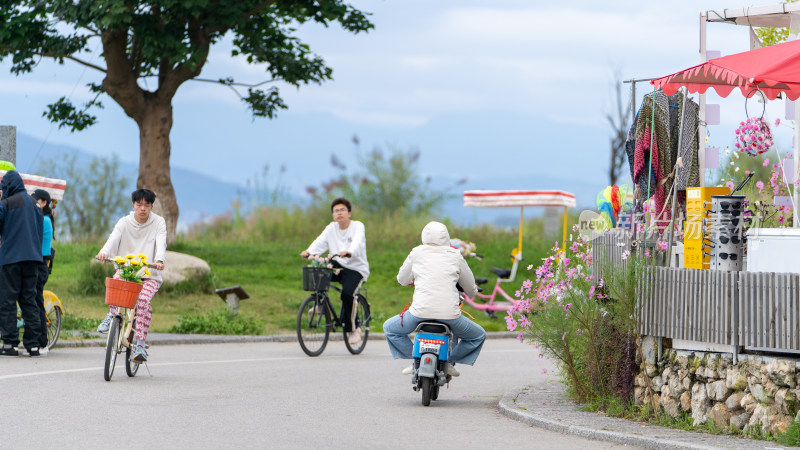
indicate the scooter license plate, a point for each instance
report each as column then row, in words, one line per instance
column 428, row 348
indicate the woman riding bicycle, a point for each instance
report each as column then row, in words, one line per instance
column 435, row 268
column 344, row 238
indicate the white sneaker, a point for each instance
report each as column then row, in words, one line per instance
column 354, row 337
column 409, row 370
column 105, row 324
column 451, row 370
column 43, row 351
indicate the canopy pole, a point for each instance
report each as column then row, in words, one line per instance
column 521, row 211
column 701, row 123
column 796, row 145
column 564, row 238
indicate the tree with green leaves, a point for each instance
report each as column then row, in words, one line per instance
column 386, row 184
column 167, row 41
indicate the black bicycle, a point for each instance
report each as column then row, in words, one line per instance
column 317, row 316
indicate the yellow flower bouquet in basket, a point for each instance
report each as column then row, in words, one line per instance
column 124, row 292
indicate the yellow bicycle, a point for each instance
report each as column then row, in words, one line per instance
column 54, row 311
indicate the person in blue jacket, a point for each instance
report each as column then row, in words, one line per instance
column 42, row 199
column 21, row 230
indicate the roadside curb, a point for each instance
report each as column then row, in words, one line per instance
column 186, row 339
column 547, row 407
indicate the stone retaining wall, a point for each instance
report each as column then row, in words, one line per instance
column 759, row 391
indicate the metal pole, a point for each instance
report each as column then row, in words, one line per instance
column 795, row 215
column 633, row 183
column 701, row 151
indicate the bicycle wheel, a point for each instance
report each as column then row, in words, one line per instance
column 426, row 391
column 112, row 347
column 313, row 327
column 362, row 321
column 131, row 367
column 53, row 326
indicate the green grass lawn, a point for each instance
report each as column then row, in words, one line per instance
column 261, row 255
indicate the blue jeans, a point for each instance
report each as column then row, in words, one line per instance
column 469, row 335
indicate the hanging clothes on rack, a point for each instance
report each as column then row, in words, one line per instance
column 689, row 174
column 664, row 124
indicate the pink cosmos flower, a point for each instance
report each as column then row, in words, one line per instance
column 730, row 185
column 766, row 162
column 520, row 338
column 760, row 186
column 544, row 371
column 527, row 284
column 511, row 324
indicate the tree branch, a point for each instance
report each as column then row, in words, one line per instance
column 120, row 81
column 58, row 55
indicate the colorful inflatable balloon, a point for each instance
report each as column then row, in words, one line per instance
column 614, row 200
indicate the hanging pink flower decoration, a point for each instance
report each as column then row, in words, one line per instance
column 753, row 136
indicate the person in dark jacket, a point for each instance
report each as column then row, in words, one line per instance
column 21, row 230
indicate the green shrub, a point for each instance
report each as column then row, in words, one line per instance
column 91, row 279
column 218, row 322
column 69, row 322
column 791, row 437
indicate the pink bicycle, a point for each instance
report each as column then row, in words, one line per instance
column 487, row 302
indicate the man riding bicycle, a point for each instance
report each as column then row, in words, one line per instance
column 140, row 232
column 344, row 238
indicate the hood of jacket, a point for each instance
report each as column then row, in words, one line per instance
column 435, row 233
column 11, row 184
column 131, row 218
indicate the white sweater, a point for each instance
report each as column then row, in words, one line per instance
column 149, row 238
column 335, row 240
column 435, row 268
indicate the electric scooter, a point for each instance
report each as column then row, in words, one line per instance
column 433, row 344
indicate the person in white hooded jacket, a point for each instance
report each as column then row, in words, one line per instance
column 434, row 268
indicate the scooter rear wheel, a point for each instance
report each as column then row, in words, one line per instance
column 435, row 393
column 427, row 389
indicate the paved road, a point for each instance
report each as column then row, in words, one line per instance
column 265, row 395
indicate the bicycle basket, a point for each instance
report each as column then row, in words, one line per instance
column 122, row 293
column 316, row 278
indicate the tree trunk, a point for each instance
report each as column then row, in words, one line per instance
column 154, row 170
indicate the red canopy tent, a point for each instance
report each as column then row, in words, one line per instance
column 772, row 69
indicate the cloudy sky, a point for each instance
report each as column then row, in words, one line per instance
column 484, row 89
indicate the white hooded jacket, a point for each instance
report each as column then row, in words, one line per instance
column 435, row 267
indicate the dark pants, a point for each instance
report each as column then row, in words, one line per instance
column 350, row 279
column 18, row 286
column 41, row 279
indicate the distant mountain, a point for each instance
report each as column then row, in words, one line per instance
column 201, row 196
